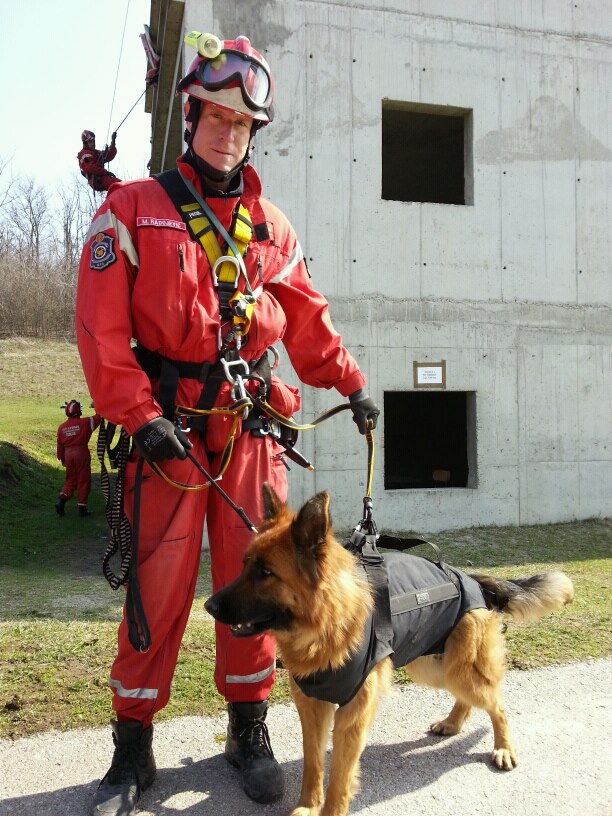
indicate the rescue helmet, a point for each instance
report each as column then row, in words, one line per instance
column 237, row 78
column 73, row 408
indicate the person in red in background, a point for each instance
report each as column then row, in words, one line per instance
column 91, row 162
column 73, row 437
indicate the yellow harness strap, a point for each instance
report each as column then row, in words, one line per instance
column 241, row 232
column 226, row 273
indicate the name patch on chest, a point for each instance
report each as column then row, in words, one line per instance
column 151, row 221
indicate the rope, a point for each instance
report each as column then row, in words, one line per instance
column 118, row 65
column 120, row 532
column 130, row 110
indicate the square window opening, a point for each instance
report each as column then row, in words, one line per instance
column 427, row 153
column 430, row 440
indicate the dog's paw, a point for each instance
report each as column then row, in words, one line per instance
column 445, row 728
column 305, row 811
column 504, row 758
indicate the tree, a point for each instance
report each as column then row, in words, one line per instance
column 41, row 239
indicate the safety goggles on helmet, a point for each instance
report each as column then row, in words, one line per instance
column 252, row 76
column 232, row 69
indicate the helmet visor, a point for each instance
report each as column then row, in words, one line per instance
column 234, row 66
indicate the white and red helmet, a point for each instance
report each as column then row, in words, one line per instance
column 238, row 78
column 73, row 408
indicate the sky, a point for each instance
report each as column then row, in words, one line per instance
column 61, row 64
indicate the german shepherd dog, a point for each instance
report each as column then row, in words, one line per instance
column 299, row 582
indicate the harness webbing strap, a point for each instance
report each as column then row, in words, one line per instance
column 201, row 223
column 374, row 565
column 395, row 543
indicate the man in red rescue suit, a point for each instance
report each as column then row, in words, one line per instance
column 92, row 161
column 143, row 276
column 73, row 437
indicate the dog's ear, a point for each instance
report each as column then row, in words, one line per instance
column 271, row 503
column 309, row 531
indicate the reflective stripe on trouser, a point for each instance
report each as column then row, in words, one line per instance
column 245, row 668
column 169, row 554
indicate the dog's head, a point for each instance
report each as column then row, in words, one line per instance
column 281, row 569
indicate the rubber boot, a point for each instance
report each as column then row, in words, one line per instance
column 59, row 506
column 83, row 511
column 131, row 772
column 248, row 748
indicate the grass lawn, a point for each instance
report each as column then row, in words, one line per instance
column 58, row 617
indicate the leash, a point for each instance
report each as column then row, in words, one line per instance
column 365, row 542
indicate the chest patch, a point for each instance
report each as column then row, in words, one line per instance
column 151, row 221
column 102, row 254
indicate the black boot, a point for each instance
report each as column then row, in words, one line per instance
column 83, row 511
column 131, row 772
column 59, row 506
column 248, row 748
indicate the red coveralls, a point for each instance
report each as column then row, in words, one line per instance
column 91, row 164
column 142, row 276
column 73, row 437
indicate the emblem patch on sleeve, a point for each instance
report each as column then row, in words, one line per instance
column 102, row 254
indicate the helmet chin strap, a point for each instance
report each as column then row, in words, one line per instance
column 203, row 166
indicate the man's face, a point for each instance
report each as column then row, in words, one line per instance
column 222, row 137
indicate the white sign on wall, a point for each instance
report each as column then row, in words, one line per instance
column 429, row 375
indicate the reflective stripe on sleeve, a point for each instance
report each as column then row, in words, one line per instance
column 107, row 220
column 250, row 678
column 136, row 693
column 296, row 256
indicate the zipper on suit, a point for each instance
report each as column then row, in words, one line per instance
column 179, row 249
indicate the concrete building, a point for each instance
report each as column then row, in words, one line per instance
column 447, row 167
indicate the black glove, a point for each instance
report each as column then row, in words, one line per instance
column 159, row 439
column 114, row 136
column 365, row 411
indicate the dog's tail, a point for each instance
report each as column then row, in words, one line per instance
column 527, row 599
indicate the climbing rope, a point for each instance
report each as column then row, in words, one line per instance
column 117, row 74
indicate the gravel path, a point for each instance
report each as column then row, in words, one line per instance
column 561, row 719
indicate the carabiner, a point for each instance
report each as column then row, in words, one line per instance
column 227, row 364
column 274, row 351
column 237, row 381
column 222, row 259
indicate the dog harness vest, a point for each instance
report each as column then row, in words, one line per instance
column 425, row 606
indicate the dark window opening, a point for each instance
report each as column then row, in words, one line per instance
column 426, row 153
column 429, row 439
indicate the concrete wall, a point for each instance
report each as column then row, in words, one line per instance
column 514, row 291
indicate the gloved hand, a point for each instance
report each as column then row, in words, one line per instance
column 114, row 136
column 365, row 411
column 159, row 439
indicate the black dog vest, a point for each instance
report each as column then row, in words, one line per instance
column 425, row 606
